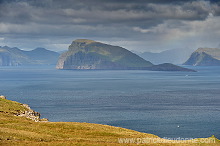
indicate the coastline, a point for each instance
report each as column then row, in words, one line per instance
column 17, row 128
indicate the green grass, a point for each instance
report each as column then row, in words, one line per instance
column 11, row 107
column 16, row 130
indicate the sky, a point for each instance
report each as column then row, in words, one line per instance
column 139, row 25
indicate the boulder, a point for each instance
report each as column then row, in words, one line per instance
column 2, row 97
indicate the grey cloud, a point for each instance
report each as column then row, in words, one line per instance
column 149, row 21
column 100, row 12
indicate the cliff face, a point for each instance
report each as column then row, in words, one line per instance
column 204, row 57
column 88, row 54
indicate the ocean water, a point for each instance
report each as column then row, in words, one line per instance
column 168, row 104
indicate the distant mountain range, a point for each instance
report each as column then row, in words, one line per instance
column 83, row 54
column 204, row 57
column 88, row 54
column 175, row 56
column 15, row 57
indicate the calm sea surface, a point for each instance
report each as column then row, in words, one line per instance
column 168, row 104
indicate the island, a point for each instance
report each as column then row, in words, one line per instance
column 89, row 54
column 204, row 57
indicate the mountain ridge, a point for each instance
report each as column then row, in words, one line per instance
column 175, row 56
column 16, row 57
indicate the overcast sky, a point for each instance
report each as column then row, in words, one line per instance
column 141, row 25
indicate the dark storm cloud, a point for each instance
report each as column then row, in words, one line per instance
column 125, row 19
column 108, row 12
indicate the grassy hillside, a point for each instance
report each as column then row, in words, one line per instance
column 16, row 130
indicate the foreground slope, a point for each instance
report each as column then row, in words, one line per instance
column 204, row 57
column 88, row 54
column 19, row 130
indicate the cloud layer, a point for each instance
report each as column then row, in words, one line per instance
column 141, row 25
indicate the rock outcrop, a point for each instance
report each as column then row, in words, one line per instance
column 2, row 97
column 29, row 113
column 18, row 109
column 204, row 57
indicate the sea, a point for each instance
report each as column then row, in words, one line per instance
column 167, row 104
